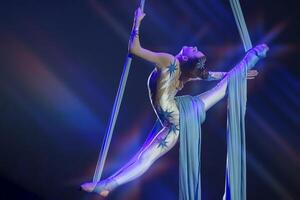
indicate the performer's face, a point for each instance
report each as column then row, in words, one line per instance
column 191, row 53
column 192, row 64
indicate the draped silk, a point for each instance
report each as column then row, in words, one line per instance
column 192, row 115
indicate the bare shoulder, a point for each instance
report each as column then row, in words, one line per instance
column 166, row 60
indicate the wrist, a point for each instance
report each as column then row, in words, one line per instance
column 137, row 25
column 136, row 29
column 137, row 22
column 134, row 33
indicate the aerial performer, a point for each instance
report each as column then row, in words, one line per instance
column 179, row 116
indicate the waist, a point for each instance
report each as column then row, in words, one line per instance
column 167, row 112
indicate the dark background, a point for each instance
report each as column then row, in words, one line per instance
column 60, row 65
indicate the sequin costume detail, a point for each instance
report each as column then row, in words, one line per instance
column 162, row 91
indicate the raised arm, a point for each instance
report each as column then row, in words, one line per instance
column 160, row 59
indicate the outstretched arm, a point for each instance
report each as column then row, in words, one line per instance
column 135, row 48
column 214, row 76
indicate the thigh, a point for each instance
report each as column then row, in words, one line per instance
column 214, row 95
column 160, row 144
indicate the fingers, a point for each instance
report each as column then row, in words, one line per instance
column 251, row 74
column 250, row 77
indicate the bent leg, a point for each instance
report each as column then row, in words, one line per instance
column 215, row 94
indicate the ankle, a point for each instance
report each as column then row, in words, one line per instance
column 112, row 182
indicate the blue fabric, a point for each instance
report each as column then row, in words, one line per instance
column 113, row 118
column 192, row 114
column 235, row 182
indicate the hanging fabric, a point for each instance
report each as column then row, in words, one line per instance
column 190, row 163
column 192, row 115
column 114, row 115
column 235, row 182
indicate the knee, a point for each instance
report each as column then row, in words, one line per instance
column 172, row 138
column 146, row 158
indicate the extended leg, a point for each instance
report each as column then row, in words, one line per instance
column 214, row 95
column 159, row 145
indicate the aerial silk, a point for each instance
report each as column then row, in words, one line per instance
column 240, row 22
column 114, row 115
column 192, row 115
column 235, row 182
column 190, row 125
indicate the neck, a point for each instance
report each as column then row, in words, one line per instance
column 179, row 57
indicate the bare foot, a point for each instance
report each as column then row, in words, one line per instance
column 88, row 187
column 102, row 188
column 104, row 193
column 262, row 50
